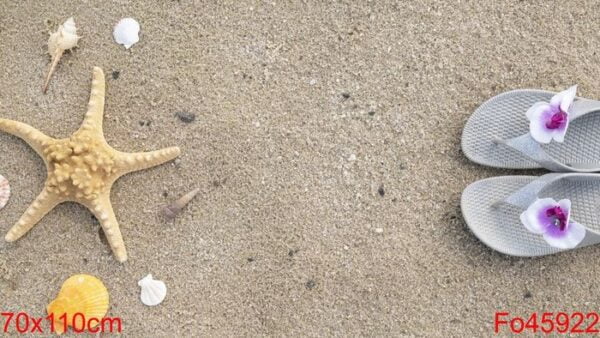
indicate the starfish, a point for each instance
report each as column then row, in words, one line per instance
column 82, row 169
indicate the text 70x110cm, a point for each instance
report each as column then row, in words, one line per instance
column 24, row 323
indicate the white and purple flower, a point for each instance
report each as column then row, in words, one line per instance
column 551, row 219
column 549, row 121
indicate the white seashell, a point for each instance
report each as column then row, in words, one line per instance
column 126, row 32
column 4, row 191
column 64, row 38
column 153, row 291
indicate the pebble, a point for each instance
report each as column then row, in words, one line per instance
column 379, row 230
column 186, row 117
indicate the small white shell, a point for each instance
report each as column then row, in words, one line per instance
column 126, row 32
column 64, row 38
column 153, row 291
column 4, row 191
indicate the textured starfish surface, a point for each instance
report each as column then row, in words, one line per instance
column 82, row 169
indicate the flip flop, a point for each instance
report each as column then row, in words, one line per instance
column 534, row 216
column 526, row 129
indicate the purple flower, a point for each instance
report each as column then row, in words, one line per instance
column 549, row 121
column 551, row 219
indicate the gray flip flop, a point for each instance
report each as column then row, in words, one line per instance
column 493, row 209
column 497, row 135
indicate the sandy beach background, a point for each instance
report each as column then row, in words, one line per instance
column 326, row 145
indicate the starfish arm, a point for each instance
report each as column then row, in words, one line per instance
column 35, row 138
column 45, row 202
column 129, row 162
column 102, row 209
column 95, row 113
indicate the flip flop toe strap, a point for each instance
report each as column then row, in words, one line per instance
column 528, row 194
column 526, row 145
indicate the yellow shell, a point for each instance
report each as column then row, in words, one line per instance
column 83, row 294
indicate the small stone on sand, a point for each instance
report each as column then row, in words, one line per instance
column 186, row 117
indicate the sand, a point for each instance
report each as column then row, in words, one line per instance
column 326, row 146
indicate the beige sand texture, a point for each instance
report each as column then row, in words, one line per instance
column 326, row 147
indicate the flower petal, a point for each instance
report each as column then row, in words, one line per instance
column 533, row 217
column 564, row 99
column 559, row 134
column 539, row 132
column 568, row 239
column 565, row 205
column 536, row 111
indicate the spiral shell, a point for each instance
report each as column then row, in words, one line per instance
column 4, row 191
column 64, row 38
column 170, row 211
column 83, row 294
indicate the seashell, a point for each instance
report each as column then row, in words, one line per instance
column 126, row 32
column 4, row 191
column 153, row 291
column 173, row 209
column 83, row 294
column 63, row 39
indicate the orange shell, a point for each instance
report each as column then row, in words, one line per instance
column 83, row 294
